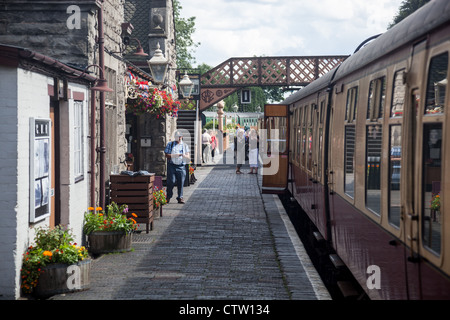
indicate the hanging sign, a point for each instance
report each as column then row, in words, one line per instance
column 246, row 96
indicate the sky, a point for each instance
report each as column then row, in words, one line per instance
column 246, row 28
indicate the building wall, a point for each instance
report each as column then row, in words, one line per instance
column 25, row 94
column 9, row 178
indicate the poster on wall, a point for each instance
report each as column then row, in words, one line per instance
column 39, row 169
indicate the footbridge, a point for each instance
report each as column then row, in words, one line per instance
column 238, row 73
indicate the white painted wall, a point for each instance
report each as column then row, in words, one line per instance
column 24, row 94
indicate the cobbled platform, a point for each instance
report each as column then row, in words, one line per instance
column 228, row 241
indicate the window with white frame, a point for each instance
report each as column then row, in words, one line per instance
column 78, row 148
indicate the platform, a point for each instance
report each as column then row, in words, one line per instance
column 228, row 241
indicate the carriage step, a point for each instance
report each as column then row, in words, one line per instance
column 336, row 261
column 347, row 289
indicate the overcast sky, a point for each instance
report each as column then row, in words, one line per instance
column 246, row 28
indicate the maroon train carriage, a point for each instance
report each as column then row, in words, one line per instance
column 369, row 158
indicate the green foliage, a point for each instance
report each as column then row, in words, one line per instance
column 407, row 8
column 114, row 220
column 159, row 198
column 52, row 245
column 184, row 29
column 209, row 125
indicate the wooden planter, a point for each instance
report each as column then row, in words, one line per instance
column 137, row 193
column 109, row 241
column 61, row 278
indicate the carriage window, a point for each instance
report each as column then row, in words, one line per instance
column 431, row 188
column 276, row 134
column 322, row 111
column 377, row 94
column 352, row 97
column 373, row 169
column 304, row 137
column 437, row 84
column 299, row 135
column 310, row 147
column 398, row 97
column 395, row 157
column 349, row 164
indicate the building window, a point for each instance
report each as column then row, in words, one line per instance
column 78, row 140
column 110, row 75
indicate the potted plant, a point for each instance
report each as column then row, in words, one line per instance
column 54, row 264
column 159, row 199
column 435, row 207
column 110, row 231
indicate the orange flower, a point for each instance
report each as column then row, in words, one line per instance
column 134, row 221
column 91, row 209
column 134, row 215
column 47, row 253
column 99, row 209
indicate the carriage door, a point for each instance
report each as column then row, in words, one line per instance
column 274, row 149
column 317, row 151
column 410, row 155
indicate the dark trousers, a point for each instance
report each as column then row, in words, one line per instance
column 176, row 174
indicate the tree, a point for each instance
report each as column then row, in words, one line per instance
column 184, row 29
column 406, row 8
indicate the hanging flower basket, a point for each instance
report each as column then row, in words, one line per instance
column 153, row 101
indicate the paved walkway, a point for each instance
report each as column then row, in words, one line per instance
column 227, row 242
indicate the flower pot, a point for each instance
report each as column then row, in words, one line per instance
column 61, row 278
column 109, row 241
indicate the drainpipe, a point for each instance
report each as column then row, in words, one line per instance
column 102, row 149
column 93, row 142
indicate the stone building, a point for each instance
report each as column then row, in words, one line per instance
column 153, row 23
column 73, row 44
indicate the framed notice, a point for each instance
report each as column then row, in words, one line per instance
column 40, row 148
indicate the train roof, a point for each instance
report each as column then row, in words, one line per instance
column 430, row 16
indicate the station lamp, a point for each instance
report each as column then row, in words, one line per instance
column 158, row 65
column 186, row 86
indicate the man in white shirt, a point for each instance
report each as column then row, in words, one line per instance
column 206, row 142
column 177, row 153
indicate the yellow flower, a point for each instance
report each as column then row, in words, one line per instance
column 47, row 253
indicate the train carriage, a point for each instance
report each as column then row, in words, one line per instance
column 369, row 158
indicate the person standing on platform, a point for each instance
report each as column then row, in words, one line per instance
column 178, row 155
column 239, row 149
column 206, row 142
column 253, row 143
column 213, row 143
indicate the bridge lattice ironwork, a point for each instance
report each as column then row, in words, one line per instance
column 238, row 73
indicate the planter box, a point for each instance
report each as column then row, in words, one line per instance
column 137, row 193
column 61, row 278
column 109, row 242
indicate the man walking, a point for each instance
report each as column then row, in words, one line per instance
column 177, row 153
